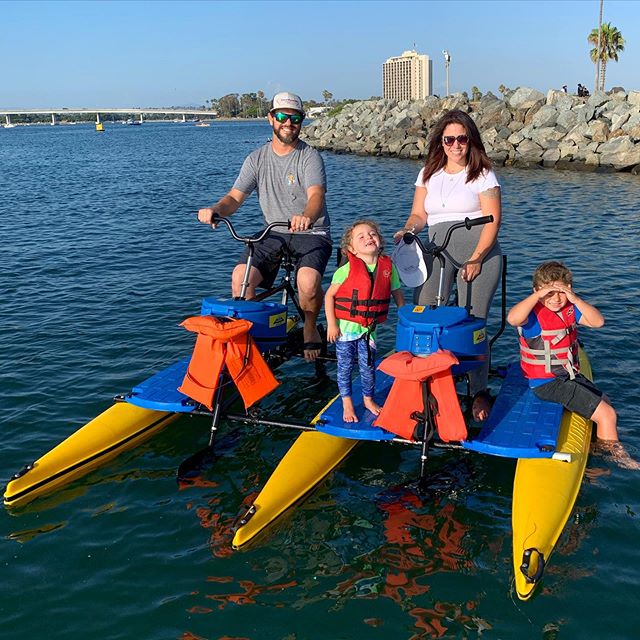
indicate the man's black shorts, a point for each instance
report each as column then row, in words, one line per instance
column 307, row 249
column 579, row 395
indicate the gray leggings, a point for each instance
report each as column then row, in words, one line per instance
column 475, row 296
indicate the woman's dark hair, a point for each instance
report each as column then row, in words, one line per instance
column 477, row 159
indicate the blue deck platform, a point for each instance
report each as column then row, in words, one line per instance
column 331, row 421
column 160, row 391
column 519, row 425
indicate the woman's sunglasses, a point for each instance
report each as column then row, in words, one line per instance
column 295, row 118
column 449, row 140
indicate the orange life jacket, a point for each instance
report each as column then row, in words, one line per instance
column 555, row 350
column 229, row 344
column 406, row 397
column 364, row 296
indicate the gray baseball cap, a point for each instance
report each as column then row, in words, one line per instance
column 286, row 100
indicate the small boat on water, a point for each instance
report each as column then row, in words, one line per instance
column 202, row 124
column 551, row 445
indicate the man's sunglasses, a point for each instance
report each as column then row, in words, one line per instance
column 449, row 140
column 295, row 118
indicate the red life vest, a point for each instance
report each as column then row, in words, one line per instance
column 364, row 296
column 406, row 396
column 225, row 345
column 555, row 350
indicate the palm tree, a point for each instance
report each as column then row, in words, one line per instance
column 597, row 84
column 611, row 42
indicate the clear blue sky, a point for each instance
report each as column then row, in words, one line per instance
column 85, row 54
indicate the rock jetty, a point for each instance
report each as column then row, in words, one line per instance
column 525, row 129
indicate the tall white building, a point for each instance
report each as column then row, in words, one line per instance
column 407, row 77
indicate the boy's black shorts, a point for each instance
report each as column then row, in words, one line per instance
column 308, row 250
column 579, row 395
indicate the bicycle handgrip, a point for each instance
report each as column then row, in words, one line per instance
column 468, row 222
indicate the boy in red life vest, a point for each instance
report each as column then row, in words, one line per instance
column 547, row 323
column 355, row 303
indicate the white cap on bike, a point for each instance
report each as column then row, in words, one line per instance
column 410, row 264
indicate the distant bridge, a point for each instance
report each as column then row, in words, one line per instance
column 63, row 111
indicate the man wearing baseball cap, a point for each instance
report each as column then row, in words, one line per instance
column 289, row 178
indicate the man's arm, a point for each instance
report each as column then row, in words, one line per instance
column 313, row 210
column 225, row 207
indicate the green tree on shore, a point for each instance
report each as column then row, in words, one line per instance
column 327, row 96
column 611, row 42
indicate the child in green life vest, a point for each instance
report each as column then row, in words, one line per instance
column 355, row 303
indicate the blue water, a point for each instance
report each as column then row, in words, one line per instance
column 102, row 258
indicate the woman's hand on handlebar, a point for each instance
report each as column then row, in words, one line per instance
column 300, row 223
column 471, row 270
column 398, row 235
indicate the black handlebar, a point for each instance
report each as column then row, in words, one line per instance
column 475, row 222
column 436, row 250
column 248, row 240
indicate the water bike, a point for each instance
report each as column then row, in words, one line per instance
column 435, row 349
column 275, row 331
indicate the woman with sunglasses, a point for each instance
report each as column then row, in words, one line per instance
column 457, row 182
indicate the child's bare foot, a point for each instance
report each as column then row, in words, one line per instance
column 374, row 407
column 619, row 454
column 348, row 410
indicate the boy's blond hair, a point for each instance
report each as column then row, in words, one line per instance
column 347, row 236
column 549, row 272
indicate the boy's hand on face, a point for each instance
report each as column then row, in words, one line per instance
column 544, row 291
column 567, row 290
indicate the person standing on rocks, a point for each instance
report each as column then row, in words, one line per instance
column 456, row 182
column 290, row 179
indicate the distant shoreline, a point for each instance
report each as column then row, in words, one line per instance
column 48, row 123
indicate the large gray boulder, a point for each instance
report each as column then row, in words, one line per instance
column 567, row 120
column 598, row 131
column 494, row 114
column 620, row 153
column 560, row 100
column 524, row 98
column 633, row 98
column 529, row 151
column 546, row 116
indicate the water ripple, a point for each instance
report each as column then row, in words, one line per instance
column 103, row 258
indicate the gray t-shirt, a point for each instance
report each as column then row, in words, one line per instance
column 281, row 183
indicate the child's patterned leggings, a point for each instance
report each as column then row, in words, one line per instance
column 346, row 354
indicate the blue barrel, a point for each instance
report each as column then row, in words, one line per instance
column 269, row 318
column 423, row 330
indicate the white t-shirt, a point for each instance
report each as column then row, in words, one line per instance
column 451, row 199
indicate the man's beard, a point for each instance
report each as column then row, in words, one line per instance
column 286, row 139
